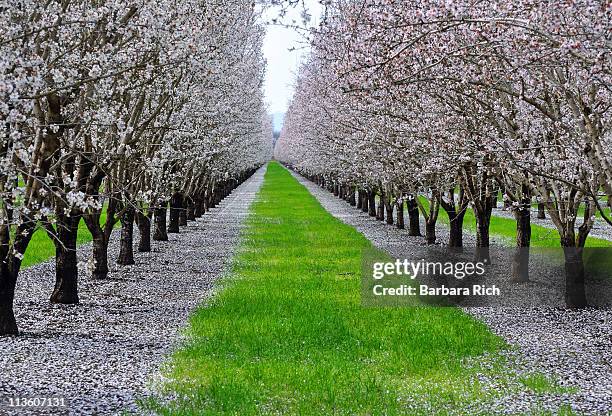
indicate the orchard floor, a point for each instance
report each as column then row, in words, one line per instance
column 573, row 347
column 286, row 333
column 102, row 354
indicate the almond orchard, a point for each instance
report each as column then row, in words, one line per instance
column 118, row 111
column 450, row 104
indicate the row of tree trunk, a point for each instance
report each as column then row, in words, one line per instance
column 455, row 207
column 152, row 223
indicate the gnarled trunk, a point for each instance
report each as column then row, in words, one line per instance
column 380, row 209
column 431, row 215
column 100, row 257
column 126, row 245
column 483, row 221
column 413, row 217
column 198, row 209
column 143, row 220
column 483, row 206
column 9, row 269
column 430, row 232
column 455, row 238
column 575, row 296
column 389, row 211
column 351, row 196
column 455, row 209
column 66, row 269
column 372, row 203
column 520, row 261
column 101, row 236
column 175, row 209
column 159, row 224
column 8, row 280
column 190, row 210
column 183, row 212
column 399, row 223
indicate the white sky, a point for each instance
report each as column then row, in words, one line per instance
column 283, row 63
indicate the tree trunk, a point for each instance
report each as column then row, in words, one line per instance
column 359, row 199
column 456, row 229
column 100, row 257
column 430, row 232
column 380, row 209
column 372, row 203
column 183, row 212
column 351, row 196
column 101, row 236
column 191, row 210
column 126, row 249
column 9, row 269
column 399, row 223
column 483, row 222
column 144, row 228
column 389, row 211
column 541, row 212
column 520, row 261
column 199, row 207
column 413, row 217
column 175, row 209
column 159, row 229
column 66, row 270
column 456, row 213
column 8, row 280
column 575, row 296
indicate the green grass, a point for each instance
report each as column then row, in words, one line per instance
column 540, row 383
column 286, row 333
column 41, row 248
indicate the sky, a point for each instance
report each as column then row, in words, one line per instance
column 282, row 63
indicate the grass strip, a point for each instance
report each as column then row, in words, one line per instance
column 286, row 333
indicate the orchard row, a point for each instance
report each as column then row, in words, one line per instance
column 450, row 104
column 113, row 110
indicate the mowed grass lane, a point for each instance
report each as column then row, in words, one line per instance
column 286, row 333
